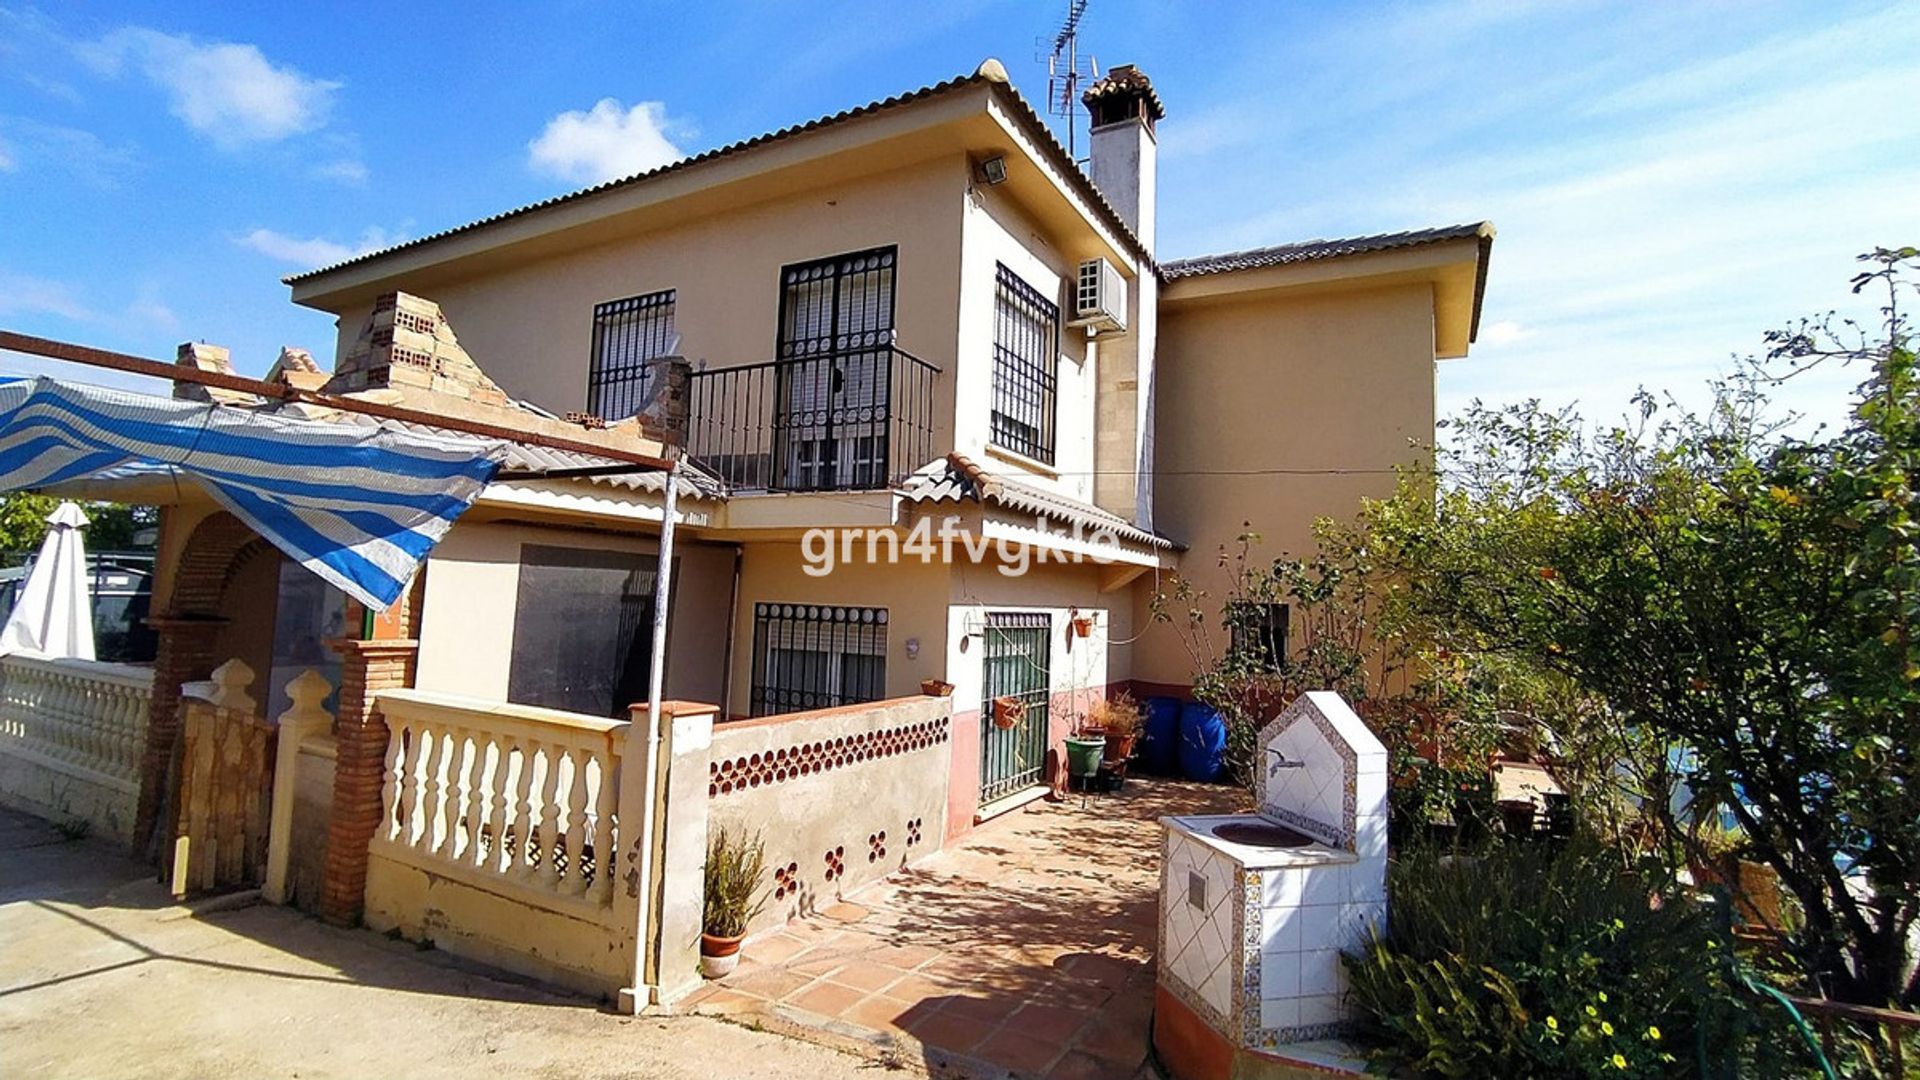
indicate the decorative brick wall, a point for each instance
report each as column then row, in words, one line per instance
column 187, row 631
column 367, row 667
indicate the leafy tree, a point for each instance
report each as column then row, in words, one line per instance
column 110, row 527
column 1715, row 586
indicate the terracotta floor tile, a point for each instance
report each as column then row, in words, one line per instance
column 1052, row 1022
column 1018, row 1052
column 844, row 912
column 726, row 1002
column 769, row 982
column 1114, row 1042
column 946, row 1030
column 864, row 975
column 905, row 956
column 826, row 999
column 985, row 1010
column 878, row 1012
column 917, row 987
column 777, row 949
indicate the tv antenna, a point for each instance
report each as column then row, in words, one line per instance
column 1065, row 70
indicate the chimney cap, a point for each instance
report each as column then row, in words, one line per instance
column 992, row 70
column 1120, row 87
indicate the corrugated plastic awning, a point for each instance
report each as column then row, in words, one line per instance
column 359, row 505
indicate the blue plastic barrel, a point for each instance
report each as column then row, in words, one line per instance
column 1160, row 739
column 1203, row 741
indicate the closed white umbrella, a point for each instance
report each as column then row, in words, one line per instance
column 54, row 616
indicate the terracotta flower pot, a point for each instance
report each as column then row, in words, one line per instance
column 719, row 955
column 936, row 688
column 1119, row 747
column 1008, row 711
column 1083, row 626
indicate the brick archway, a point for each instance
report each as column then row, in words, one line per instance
column 187, row 629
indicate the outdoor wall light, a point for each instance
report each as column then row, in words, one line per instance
column 994, row 170
column 913, row 647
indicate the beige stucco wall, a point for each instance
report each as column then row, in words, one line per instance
column 998, row 231
column 1326, row 381
column 473, row 580
column 530, row 325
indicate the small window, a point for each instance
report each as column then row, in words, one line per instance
column 626, row 334
column 582, row 630
column 817, row 656
column 1026, row 359
column 1259, row 631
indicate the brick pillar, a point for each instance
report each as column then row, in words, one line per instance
column 184, row 653
column 366, row 668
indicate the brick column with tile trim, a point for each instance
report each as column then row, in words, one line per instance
column 366, row 668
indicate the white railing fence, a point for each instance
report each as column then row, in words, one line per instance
column 85, row 719
column 505, row 798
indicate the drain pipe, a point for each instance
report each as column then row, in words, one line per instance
column 656, row 672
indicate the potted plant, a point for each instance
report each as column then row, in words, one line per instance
column 1118, row 720
column 1086, row 745
column 936, row 688
column 1083, row 626
column 1008, row 711
column 733, row 897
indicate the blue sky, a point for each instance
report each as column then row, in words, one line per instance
column 1669, row 180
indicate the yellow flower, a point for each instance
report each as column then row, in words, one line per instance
column 1591, row 1011
column 1553, row 1022
column 1653, row 1033
column 1619, row 1062
column 1606, row 1028
column 1603, row 994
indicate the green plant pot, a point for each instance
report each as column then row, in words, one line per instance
column 1084, row 754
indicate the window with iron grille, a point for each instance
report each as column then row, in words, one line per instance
column 817, row 656
column 1026, row 359
column 626, row 334
column 1258, row 632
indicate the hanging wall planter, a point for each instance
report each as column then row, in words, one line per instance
column 1008, row 711
column 1083, row 626
column 936, row 688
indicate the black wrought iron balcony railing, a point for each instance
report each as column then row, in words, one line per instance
column 843, row 420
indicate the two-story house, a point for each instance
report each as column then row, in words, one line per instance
column 931, row 353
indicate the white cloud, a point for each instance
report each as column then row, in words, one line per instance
column 7, row 161
column 23, row 294
column 29, row 145
column 1504, row 332
column 148, row 310
column 606, row 142
column 230, row 93
column 345, row 170
column 314, row 251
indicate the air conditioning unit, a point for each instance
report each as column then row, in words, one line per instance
column 1100, row 299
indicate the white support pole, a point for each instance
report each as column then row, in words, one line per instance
column 642, row 993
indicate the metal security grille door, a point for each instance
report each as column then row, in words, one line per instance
column 836, row 353
column 815, row 656
column 1026, row 361
column 626, row 334
column 1015, row 655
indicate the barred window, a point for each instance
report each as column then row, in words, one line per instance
column 626, row 334
column 817, row 656
column 1259, row 632
column 1026, row 358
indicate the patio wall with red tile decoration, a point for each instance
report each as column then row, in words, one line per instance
column 840, row 796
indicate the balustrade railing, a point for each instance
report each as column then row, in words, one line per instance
column 508, row 797
column 848, row 420
column 87, row 719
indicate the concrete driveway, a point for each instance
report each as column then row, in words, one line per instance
column 102, row 975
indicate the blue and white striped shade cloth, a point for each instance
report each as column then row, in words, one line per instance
column 356, row 504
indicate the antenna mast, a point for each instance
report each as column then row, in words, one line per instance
column 1064, row 71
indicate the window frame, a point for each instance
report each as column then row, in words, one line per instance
column 622, row 388
column 1269, row 647
column 1024, row 410
column 834, row 631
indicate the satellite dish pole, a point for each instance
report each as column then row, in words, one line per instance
column 1064, row 72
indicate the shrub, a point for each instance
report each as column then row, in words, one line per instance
column 734, row 864
column 1540, row 960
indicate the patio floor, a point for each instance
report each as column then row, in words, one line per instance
column 1026, row 948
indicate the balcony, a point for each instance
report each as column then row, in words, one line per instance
column 846, row 420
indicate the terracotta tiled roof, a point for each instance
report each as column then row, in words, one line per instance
column 957, row 478
column 1125, row 79
column 1309, row 250
column 1037, row 129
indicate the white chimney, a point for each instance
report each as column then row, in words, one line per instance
column 1124, row 109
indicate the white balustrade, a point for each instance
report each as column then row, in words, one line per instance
column 83, row 718
column 503, row 797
